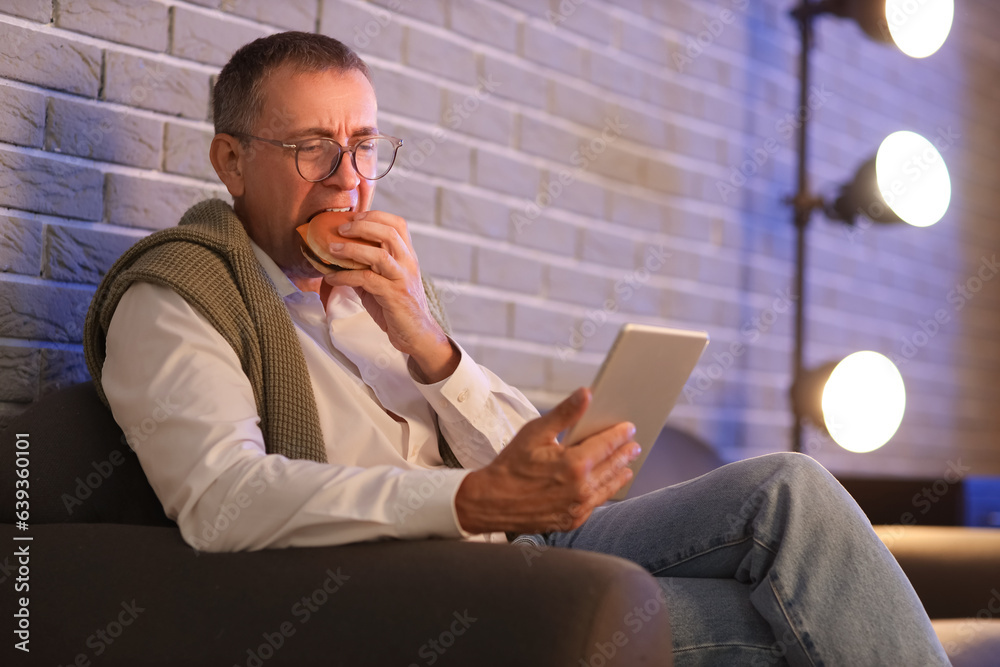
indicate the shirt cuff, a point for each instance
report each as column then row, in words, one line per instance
column 454, row 510
column 461, row 395
column 427, row 504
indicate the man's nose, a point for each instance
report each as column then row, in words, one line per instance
column 345, row 176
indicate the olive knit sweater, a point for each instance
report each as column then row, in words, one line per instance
column 207, row 260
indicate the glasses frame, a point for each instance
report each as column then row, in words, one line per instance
column 351, row 148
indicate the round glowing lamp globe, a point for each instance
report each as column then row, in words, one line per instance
column 919, row 27
column 913, row 178
column 863, row 401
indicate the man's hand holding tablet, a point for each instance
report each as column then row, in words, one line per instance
column 537, row 484
column 640, row 381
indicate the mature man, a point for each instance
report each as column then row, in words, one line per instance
column 337, row 409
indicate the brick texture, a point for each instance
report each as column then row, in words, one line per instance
column 184, row 151
column 567, row 166
column 149, row 204
column 20, row 245
column 49, row 185
column 426, row 51
column 61, row 368
column 368, row 29
column 49, row 61
column 208, row 39
column 290, row 14
column 81, row 255
column 123, row 21
column 155, row 85
column 95, row 131
column 22, row 116
column 42, row 312
column 19, row 366
column 406, row 95
column 475, row 214
column 483, row 21
column 37, row 10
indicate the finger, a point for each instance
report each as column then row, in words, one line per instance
column 377, row 233
column 605, row 472
column 564, row 415
column 609, row 486
column 388, row 219
column 573, row 517
column 597, row 491
column 379, row 259
column 366, row 279
column 601, row 446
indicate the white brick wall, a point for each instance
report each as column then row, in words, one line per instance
column 540, row 227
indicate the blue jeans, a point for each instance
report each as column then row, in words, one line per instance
column 767, row 561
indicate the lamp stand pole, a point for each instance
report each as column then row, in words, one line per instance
column 803, row 202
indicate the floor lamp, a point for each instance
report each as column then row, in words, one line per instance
column 863, row 415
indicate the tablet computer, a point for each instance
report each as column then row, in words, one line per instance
column 639, row 382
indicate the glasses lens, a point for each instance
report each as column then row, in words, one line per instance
column 316, row 158
column 374, row 157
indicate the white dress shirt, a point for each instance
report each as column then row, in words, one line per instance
column 176, row 388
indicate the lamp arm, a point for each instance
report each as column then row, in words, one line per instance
column 809, row 10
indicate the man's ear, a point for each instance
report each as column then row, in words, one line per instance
column 227, row 158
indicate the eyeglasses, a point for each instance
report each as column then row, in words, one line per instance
column 317, row 159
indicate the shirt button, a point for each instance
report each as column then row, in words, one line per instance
column 464, row 395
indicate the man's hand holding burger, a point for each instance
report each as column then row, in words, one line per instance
column 390, row 287
column 535, row 483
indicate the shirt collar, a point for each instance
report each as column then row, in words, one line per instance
column 286, row 288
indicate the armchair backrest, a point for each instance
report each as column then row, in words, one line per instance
column 80, row 465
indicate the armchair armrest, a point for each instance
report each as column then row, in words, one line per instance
column 138, row 595
column 955, row 571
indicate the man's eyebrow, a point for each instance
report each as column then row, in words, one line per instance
column 325, row 132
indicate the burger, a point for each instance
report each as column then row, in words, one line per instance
column 319, row 233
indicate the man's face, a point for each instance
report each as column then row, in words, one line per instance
column 276, row 200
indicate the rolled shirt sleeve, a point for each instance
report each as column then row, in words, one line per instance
column 478, row 413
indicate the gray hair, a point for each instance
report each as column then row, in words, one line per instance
column 238, row 98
